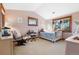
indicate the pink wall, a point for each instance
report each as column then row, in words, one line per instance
column 75, row 17
column 12, row 16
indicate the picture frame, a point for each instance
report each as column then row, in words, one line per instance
column 32, row 21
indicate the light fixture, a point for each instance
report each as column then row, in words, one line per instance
column 53, row 12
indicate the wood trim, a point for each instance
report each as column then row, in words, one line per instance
column 2, row 12
column 70, row 23
column 2, row 7
column 62, row 17
column 3, row 20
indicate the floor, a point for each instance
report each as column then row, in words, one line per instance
column 41, row 47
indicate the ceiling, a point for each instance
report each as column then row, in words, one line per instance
column 46, row 10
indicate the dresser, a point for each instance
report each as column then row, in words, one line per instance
column 72, row 46
column 6, row 45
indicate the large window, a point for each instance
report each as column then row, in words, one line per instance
column 63, row 24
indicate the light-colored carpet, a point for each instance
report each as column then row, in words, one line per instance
column 41, row 47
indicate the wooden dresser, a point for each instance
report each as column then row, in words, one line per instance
column 6, row 45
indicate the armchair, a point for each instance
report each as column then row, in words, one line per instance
column 18, row 38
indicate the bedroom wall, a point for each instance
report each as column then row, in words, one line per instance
column 12, row 20
column 75, row 17
column 12, row 15
column 48, row 25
